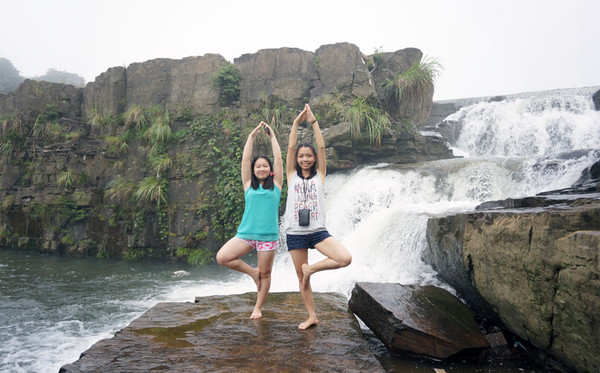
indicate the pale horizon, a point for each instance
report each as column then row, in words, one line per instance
column 485, row 49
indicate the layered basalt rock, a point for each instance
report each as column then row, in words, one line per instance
column 533, row 263
column 33, row 98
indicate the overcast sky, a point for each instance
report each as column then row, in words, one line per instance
column 485, row 47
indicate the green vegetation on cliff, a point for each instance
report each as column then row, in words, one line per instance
column 214, row 156
column 366, row 119
column 227, row 79
column 153, row 169
column 222, row 142
column 414, row 81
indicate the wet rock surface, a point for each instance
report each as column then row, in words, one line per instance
column 215, row 334
column 534, row 263
column 419, row 320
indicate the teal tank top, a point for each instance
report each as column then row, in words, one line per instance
column 261, row 215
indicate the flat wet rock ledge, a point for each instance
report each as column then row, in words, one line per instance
column 215, row 334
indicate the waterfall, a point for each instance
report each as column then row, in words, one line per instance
column 532, row 126
column 513, row 148
column 518, row 147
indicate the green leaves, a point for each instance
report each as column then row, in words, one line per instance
column 365, row 119
column 120, row 189
column 136, row 118
column 116, row 146
column 227, row 79
column 159, row 132
column 417, row 79
column 151, row 189
column 196, row 257
column 221, row 154
column 66, row 178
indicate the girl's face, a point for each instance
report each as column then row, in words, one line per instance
column 306, row 158
column 262, row 170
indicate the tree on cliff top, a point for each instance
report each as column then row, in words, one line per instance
column 9, row 76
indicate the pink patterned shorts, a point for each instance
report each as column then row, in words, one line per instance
column 263, row 245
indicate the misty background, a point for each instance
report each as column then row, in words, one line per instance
column 486, row 48
column 10, row 77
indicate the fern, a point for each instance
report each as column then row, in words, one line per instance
column 417, row 79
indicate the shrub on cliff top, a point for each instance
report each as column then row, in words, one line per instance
column 227, row 79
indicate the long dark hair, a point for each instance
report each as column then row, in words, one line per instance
column 268, row 183
column 313, row 169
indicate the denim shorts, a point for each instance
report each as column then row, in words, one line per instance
column 305, row 241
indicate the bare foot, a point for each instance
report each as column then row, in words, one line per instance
column 308, row 323
column 305, row 275
column 256, row 314
column 256, row 278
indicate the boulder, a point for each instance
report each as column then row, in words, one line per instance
column 534, row 264
column 215, row 334
column 589, row 177
column 419, row 320
column 439, row 112
column 415, row 107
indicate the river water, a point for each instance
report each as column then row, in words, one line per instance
column 54, row 308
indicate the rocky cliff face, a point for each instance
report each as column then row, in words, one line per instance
column 295, row 76
column 287, row 73
column 532, row 262
column 73, row 160
column 33, row 97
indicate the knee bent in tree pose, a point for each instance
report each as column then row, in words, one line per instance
column 259, row 229
column 305, row 212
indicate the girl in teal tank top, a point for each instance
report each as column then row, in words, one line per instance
column 262, row 181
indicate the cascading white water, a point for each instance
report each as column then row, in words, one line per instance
column 528, row 126
column 514, row 148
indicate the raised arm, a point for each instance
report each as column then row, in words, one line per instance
column 290, row 166
column 321, row 159
column 277, row 159
column 247, row 158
